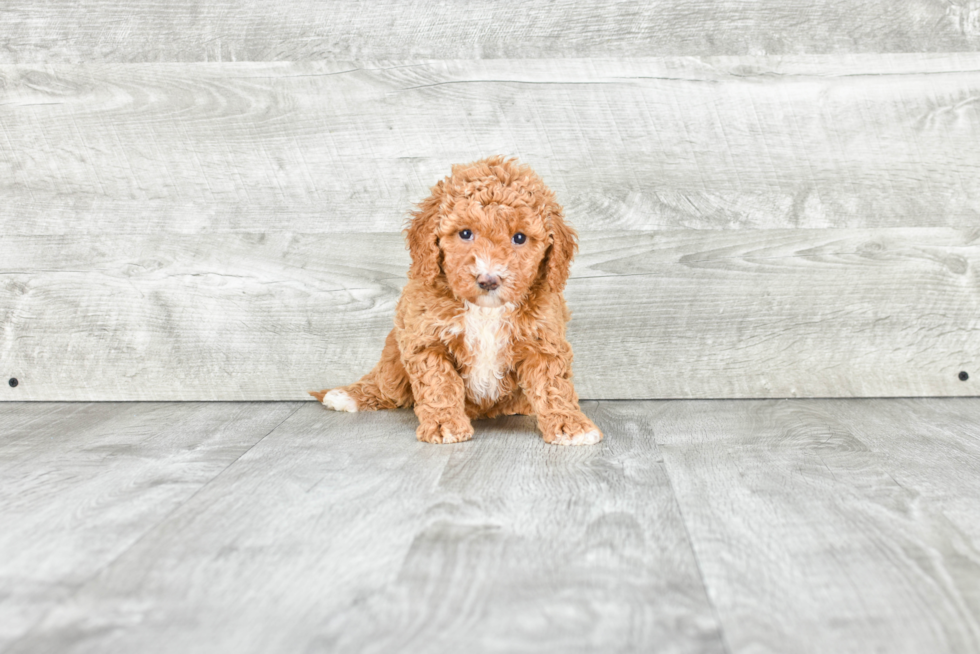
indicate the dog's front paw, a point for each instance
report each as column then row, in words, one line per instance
column 338, row 400
column 450, row 430
column 570, row 430
column 590, row 437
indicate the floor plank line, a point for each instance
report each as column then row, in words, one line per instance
column 176, row 508
column 77, row 492
column 720, row 526
column 841, row 525
column 697, row 561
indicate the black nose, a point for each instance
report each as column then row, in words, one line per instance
column 488, row 282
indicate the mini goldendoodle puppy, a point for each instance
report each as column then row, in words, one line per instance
column 480, row 326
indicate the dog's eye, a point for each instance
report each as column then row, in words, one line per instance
column 519, row 239
column 466, row 235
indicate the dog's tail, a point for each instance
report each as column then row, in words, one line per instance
column 319, row 394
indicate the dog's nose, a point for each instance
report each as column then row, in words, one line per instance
column 488, row 282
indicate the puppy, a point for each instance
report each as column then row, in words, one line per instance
column 480, row 326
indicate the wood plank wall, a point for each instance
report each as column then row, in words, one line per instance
column 775, row 199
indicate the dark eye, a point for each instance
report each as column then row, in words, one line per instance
column 466, row 235
column 519, row 238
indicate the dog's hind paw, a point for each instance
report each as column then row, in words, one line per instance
column 338, row 400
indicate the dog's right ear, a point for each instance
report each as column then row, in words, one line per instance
column 423, row 239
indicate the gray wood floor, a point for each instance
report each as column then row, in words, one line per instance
column 696, row 526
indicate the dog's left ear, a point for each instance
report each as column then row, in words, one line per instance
column 564, row 243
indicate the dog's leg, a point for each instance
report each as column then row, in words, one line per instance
column 439, row 396
column 385, row 387
column 546, row 381
column 514, row 405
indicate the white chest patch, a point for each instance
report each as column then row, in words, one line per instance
column 487, row 332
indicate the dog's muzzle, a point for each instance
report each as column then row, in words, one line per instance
column 488, row 282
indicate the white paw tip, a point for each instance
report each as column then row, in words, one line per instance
column 449, row 437
column 587, row 438
column 338, row 400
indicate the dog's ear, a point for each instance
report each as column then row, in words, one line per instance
column 564, row 243
column 423, row 239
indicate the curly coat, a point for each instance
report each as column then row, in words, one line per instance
column 480, row 326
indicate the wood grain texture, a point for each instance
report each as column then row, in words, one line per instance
column 82, row 483
column 696, row 526
column 533, row 548
column 190, row 30
column 736, row 313
column 728, row 142
column 832, row 526
column 342, row 533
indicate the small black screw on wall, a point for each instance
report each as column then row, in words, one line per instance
column 13, row 382
column 964, row 375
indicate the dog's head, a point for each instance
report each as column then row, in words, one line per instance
column 494, row 230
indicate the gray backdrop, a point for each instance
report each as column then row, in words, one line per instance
column 775, row 199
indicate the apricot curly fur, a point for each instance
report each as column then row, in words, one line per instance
column 461, row 351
